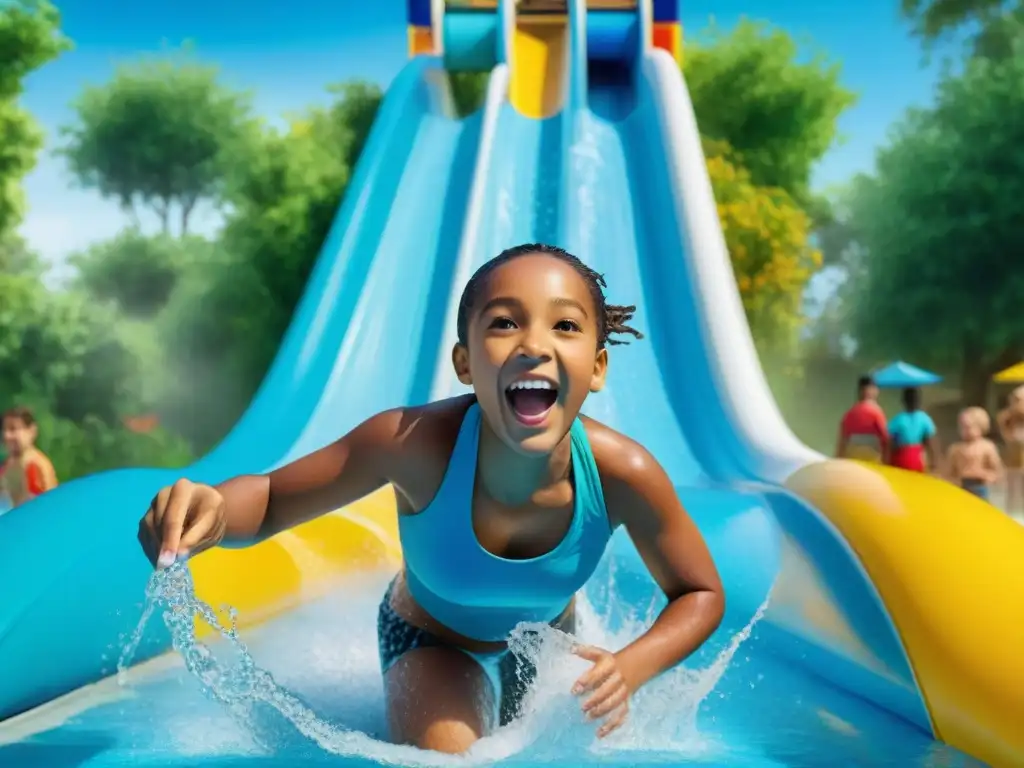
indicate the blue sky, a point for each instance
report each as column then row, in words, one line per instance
column 286, row 52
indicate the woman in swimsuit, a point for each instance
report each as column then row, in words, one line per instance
column 507, row 499
column 912, row 435
column 1011, row 428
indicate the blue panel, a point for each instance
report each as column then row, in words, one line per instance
column 665, row 10
column 470, row 41
column 419, row 13
column 612, row 36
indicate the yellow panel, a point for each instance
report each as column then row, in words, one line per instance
column 260, row 582
column 950, row 570
column 538, row 61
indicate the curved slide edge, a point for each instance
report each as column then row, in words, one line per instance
column 968, row 671
column 58, row 549
column 950, row 568
column 473, row 233
column 824, row 609
column 321, row 321
column 770, row 450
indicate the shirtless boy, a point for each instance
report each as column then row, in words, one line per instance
column 974, row 463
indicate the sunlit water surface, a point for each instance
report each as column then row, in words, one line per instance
column 305, row 689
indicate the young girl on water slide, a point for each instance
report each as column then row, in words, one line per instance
column 506, row 501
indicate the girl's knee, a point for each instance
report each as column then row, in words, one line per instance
column 438, row 699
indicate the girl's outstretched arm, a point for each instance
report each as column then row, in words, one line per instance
column 258, row 506
column 640, row 496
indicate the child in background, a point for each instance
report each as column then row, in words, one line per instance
column 912, row 435
column 1011, row 426
column 863, row 433
column 27, row 472
column 974, row 463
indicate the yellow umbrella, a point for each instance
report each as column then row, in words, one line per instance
column 1012, row 375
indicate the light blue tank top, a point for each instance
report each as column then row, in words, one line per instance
column 481, row 595
column 911, row 428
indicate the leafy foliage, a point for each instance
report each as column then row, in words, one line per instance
column 932, row 18
column 779, row 114
column 469, row 89
column 768, row 239
column 135, row 272
column 63, row 348
column 938, row 276
column 159, row 134
column 29, row 38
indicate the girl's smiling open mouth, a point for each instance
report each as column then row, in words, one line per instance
column 531, row 399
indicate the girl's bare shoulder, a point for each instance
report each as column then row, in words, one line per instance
column 433, row 427
column 420, row 442
column 618, row 457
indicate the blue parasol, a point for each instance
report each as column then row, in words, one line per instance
column 900, row 374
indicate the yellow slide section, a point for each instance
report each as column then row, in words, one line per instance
column 537, row 87
column 302, row 564
column 950, row 570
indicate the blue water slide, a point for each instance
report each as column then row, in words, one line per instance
column 376, row 300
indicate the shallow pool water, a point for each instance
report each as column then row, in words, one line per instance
column 314, row 698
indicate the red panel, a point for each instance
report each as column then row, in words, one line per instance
column 669, row 37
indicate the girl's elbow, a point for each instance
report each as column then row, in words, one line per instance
column 713, row 601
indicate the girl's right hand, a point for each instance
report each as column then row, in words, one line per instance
column 182, row 520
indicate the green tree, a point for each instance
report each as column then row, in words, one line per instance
column 62, row 349
column 989, row 27
column 29, row 38
column 225, row 319
column 768, row 237
column 17, row 258
column 160, row 134
column 135, row 272
column 64, row 355
column 937, row 274
column 933, row 18
column 79, row 448
column 752, row 90
column 469, row 89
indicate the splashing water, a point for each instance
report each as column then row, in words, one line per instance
column 663, row 715
column 238, row 688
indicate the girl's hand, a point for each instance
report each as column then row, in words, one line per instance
column 183, row 519
column 610, row 689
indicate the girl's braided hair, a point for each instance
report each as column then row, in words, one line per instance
column 612, row 319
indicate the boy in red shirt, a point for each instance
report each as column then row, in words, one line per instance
column 27, row 472
column 863, row 432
